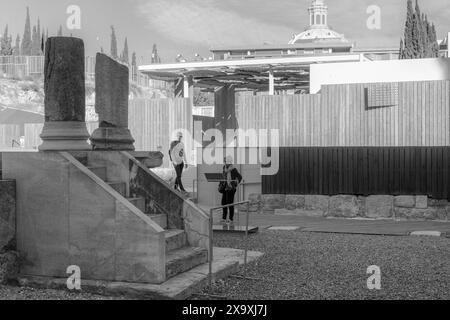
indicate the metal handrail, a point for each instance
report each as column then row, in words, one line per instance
column 211, row 224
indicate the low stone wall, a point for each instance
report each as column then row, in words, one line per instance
column 418, row 207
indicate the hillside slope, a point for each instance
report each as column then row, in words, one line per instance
column 28, row 95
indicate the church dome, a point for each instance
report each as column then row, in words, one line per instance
column 318, row 29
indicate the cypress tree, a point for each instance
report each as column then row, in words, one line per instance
column 419, row 38
column 434, row 42
column 16, row 51
column 5, row 44
column 417, row 34
column 60, row 31
column 25, row 49
column 402, row 50
column 113, row 43
column 42, row 43
column 155, row 56
column 408, row 47
column 36, row 43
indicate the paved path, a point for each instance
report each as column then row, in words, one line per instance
column 353, row 226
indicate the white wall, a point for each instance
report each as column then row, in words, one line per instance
column 379, row 71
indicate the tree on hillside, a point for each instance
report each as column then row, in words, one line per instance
column 6, row 44
column 124, row 57
column 16, row 50
column 36, row 43
column 113, row 43
column 420, row 39
column 25, row 49
column 60, row 31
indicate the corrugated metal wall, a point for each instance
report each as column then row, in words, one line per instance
column 362, row 171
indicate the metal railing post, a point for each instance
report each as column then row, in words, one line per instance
column 211, row 227
column 211, row 219
column 246, row 239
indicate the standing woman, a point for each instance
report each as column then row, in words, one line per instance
column 232, row 178
column 178, row 157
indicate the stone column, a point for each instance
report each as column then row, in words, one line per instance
column 111, row 104
column 65, row 100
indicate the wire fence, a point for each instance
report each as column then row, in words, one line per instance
column 33, row 66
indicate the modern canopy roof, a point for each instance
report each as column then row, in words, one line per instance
column 250, row 74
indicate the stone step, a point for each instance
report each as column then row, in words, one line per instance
column 184, row 259
column 160, row 219
column 120, row 187
column 175, row 239
column 138, row 203
column 99, row 172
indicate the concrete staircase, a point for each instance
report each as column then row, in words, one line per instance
column 180, row 257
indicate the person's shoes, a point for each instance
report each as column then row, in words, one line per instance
column 231, row 222
column 223, row 221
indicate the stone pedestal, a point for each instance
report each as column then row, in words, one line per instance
column 112, row 139
column 111, row 104
column 65, row 100
column 64, row 135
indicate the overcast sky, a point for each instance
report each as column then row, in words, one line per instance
column 190, row 26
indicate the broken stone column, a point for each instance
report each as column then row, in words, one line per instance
column 111, row 104
column 65, row 100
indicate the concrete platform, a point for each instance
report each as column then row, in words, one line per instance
column 234, row 229
column 181, row 287
column 347, row 226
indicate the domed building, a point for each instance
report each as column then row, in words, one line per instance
column 318, row 30
column 318, row 38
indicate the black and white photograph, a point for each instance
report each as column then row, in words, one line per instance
column 223, row 155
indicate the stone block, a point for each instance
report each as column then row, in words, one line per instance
column 270, row 202
column 319, row 204
column 421, row 202
column 255, row 202
column 344, row 206
column 295, row 202
column 415, row 214
column 405, row 201
column 9, row 266
column 438, row 203
column 7, row 213
column 379, row 207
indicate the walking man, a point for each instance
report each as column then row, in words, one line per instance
column 177, row 155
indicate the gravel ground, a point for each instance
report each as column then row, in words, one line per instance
column 298, row 266
column 17, row 293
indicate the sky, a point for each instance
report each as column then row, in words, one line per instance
column 195, row 26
